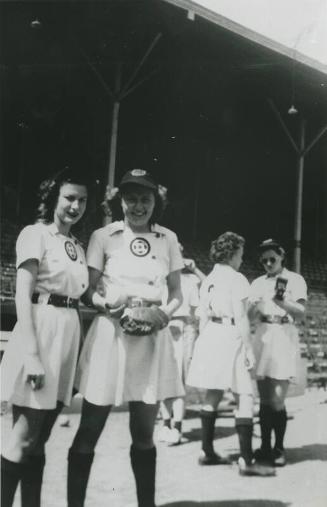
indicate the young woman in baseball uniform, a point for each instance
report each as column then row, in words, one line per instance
column 277, row 299
column 134, row 259
column 40, row 360
column 222, row 355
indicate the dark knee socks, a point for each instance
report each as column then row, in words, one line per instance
column 279, row 422
column 79, row 467
column 244, row 428
column 265, row 415
column 208, row 420
column 31, row 481
column 143, row 463
column 11, row 474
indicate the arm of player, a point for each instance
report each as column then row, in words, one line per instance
column 243, row 324
column 25, row 283
column 294, row 308
column 175, row 298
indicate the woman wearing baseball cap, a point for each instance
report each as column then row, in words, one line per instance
column 277, row 299
column 128, row 353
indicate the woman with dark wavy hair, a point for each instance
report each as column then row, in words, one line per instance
column 124, row 358
column 39, row 363
column 223, row 357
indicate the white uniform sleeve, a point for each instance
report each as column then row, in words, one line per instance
column 255, row 292
column 30, row 244
column 299, row 288
column 175, row 257
column 194, row 293
column 95, row 251
column 241, row 289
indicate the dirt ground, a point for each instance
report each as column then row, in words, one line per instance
column 181, row 482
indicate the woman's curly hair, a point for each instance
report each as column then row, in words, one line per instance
column 49, row 191
column 112, row 203
column 225, row 246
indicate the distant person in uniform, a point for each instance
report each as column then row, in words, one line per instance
column 223, row 356
column 276, row 300
column 184, row 329
column 39, row 364
column 127, row 358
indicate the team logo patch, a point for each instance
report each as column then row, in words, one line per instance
column 70, row 250
column 138, row 172
column 140, row 247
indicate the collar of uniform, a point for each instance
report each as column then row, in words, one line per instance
column 282, row 273
column 119, row 226
column 53, row 229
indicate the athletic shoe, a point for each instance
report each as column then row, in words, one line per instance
column 254, row 469
column 279, row 458
column 213, row 459
column 263, row 456
column 164, row 434
column 175, row 437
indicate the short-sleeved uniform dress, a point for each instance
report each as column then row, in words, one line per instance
column 276, row 345
column 181, row 326
column 219, row 358
column 115, row 367
column 62, row 270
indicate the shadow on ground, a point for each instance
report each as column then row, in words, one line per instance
column 228, row 503
column 222, row 432
column 311, row 452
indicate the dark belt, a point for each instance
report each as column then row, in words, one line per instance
column 223, row 320
column 57, row 300
column 275, row 319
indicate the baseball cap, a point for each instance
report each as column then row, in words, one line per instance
column 139, row 177
column 272, row 244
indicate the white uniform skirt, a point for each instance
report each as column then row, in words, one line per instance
column 219, row 360
column 58, row 336
column 276, row 347
column 115, row 367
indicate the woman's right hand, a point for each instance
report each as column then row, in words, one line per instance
column 34, row 373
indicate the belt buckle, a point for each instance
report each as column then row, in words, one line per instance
column 225, row 320
column 68, row 301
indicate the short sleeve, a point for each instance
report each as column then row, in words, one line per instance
column 299, row 288
column 30, row 244
column 241, row 287
column 175, row 257
column 194, row 292
column 95, row 251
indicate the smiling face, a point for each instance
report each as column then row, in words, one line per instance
column 70, row 205
column 272, row 262
column 138, row 204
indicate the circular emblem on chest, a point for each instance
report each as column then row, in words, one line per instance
column 70, row 250
column 140, row 247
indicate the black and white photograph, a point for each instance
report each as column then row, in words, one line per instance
column 163, row 244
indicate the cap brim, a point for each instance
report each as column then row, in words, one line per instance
column 138, row 181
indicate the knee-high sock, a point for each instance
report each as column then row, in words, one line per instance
column 208, row 420
column 265, row 415
column 31, row 481
column 10, row 476
column 244, row 428
column 79, row 467
column 143, row 463
column 279, row 422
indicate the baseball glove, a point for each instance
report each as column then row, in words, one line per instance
column 142, row 321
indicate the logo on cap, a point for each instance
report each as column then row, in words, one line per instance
column 138, row 172
column 140, row 247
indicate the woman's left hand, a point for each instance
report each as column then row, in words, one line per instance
column 34, row 371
